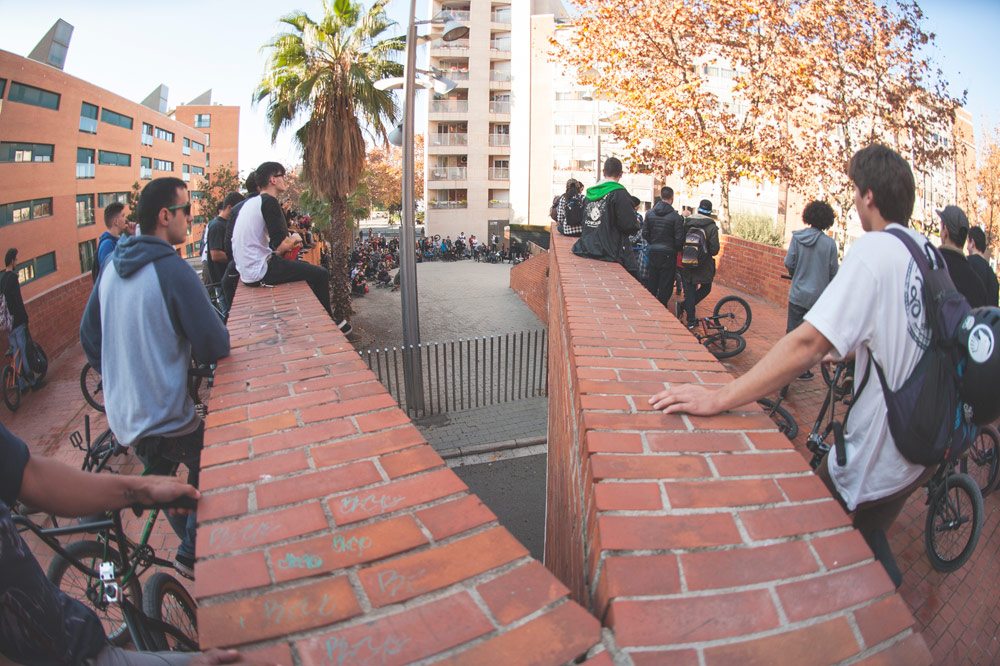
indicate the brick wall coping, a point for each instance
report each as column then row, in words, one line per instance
column 696, row 540
column 330, row 532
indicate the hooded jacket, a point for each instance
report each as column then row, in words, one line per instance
column 608, row 221
column 812, row 262
column 106, row 245
column 664, row 228
column 144, row 321
column 706, row 271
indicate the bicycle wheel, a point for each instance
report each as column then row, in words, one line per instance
column 92, row 386
column 781, row 417
column 982, row 460
column 83, row 588
column 166, row 600
column 11, row 391
column 725, row 344
column 954, row 521
column 734, row 314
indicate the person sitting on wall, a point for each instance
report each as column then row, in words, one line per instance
column 608, row 221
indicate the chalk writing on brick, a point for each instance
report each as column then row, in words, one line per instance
column 304, row 561
column 277, row 612
column 351, row 544
column 223, row 535
column 369, row 503
column 392, row 582
column 366, row 650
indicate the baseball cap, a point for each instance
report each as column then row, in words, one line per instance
column 954, row 219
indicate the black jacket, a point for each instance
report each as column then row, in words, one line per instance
column 705, row 272
column 11, row 289
column 664, row 228
column 964, row 277
column 987, row 276
column 608, row 221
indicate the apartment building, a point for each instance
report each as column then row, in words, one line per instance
column 68, row 149
column 221, row 125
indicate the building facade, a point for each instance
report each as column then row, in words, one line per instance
column 221, row 126
column 68, row 149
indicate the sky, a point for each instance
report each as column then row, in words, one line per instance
column 130, row 48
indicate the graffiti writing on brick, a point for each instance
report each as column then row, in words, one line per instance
column 304, row 561
column 370, row 503
column 359, row 545
column 277, row 612
column 366, row 650
column 392, row 582
column 223, row 535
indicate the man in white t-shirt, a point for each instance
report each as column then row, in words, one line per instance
column 868, row 309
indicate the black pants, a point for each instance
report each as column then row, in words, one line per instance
column 281, row 271
column 229, row 281
column 694, row 293
column 660, row 280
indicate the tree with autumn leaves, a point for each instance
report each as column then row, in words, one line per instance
column 799, row 86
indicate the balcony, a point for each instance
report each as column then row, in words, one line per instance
column 185, row 177
column 459, row 14
column 496, row 203
column 500, row 139
column 438, row 205
column 502, row 45
column 448, row 173
column 145, row 173
column 496, row 75
column 457, row 74
column 88, row 125
column 501, row 16
column 85, row 170
column 456, row 45
column 499, row 107
column 449, row 139
column 499, row 173
column 449, row 106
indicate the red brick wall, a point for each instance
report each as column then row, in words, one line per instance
column 530, row 280
column 54, row 316
column 694, row 539
column 331, row 532
column 753, row 268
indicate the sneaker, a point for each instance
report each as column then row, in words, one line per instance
column 807, row 375
column 184, row 565
column 692, row 324
column 345, row 327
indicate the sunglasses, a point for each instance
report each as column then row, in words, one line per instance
column 185, row 207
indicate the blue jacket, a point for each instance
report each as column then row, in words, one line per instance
column 143, row 323
column 105, row 246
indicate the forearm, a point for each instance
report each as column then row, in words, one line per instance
column 218, row 256
column 285, row 245
column 65, row 491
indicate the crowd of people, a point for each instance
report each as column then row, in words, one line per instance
column 371, row 260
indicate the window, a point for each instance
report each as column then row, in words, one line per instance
column 88, row 252
column 208, row 159
column 114, row 159
column 36, row 268
column 186, row 148
column 88, row 118
column 22, row 211
column 200, row 147
column 164, row 134
column 145, row 168
column 196, row 195
column 3, row 86
column 114, row 118
column 162, row 165
column 198, row 171
column 25, row 152
column 84, row 210
column 84, row 163
column 147, row 134
column 203, row 120
column 105, row 199
column 185, row 168
column 34, row 96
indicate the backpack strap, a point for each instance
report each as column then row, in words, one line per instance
column 928, row 257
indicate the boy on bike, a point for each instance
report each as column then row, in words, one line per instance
column 866, row 311
column 10, row 290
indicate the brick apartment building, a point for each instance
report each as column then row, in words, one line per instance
column 69, row 148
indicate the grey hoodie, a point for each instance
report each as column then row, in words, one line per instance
column 144, row 321
column 812, row 262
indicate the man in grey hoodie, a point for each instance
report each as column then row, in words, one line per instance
column 144, row 322
column 812, row 263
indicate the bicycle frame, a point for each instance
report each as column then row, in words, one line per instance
column 815, row 442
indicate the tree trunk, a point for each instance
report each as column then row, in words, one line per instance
column 339, row 240
column 724, row 208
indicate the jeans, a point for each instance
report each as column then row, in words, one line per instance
column 694, row 293
column 114, row 656
column 662, row 269
column 230, row 279
column 19, row 338
column 281, row 271
column 795, row 316
column 161, row 455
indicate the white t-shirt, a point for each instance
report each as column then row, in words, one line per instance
column 250, row 248
column 874, row 306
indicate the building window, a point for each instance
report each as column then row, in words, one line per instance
column 25, row 152
column 84, row 210
column 145, row 168
column 147, row 134
column 114, row 118
column 84, row 163
column 36, row 268
column 88, row 118
column 186, row 147
column 196, row 195
column 114, row 159
column 164, row 134
column 105, row 199
column 163, row 165
column 198, row 171
column 200, row 147
column 3, row 86
column 203, row 120
column 22, row 211
column 88, row 253
column 34, row 96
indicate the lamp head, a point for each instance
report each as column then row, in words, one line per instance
column 454, row 30
column 443, row 85
column 396, row 135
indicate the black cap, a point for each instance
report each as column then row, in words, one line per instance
column 955, row 220
column 705, row 207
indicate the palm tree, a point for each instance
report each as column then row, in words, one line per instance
column 326, row 70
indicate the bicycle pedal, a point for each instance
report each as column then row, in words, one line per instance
column 76, row 439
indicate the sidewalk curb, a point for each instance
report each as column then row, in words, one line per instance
column 463, row 451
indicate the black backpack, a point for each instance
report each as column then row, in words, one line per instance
column 554, row 209
column 927, row 417
column 695, row 249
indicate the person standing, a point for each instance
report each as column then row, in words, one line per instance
column 608, row 221
column 664, row 231
column 812, row 262
column 954, row 233
column 116, row 224
column 215, row 240
column 701, row 245
column 20, row 336
column 976, row 248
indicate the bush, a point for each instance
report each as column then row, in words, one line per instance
column 756, row 228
